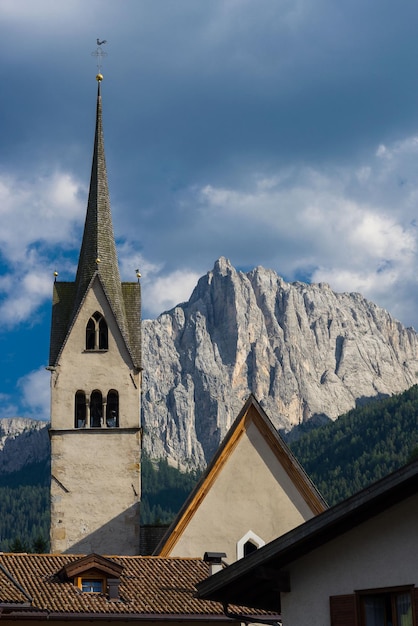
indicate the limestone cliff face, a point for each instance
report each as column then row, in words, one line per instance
column 22, row 441
column 304, row 351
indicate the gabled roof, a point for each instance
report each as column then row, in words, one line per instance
column 89, row 562
column 150, row 588
column 262, row 575
column 63, row 318
column 98, row 257
column 251, row 412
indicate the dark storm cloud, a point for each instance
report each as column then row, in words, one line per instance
column 275, row 132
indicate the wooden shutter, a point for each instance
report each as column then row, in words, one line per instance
column 343, row 610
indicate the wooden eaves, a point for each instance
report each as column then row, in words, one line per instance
column 258, row 579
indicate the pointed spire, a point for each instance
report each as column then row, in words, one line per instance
column 98, row 249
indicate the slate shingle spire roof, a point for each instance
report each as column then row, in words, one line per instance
column 98, row 258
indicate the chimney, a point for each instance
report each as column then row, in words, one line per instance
column 215, row 561
column 113, row 588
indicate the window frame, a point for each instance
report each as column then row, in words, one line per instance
column 346, row 609
column 91, row 577
column 389, row 594
column 94, row 393
column 80, row 401
column 97, row 333
column 112, row 405
column 249, row 537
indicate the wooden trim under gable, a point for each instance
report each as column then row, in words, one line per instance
column 251, row 412
column 92, row 562
column 199, row 494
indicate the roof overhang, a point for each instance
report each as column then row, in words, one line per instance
column 258, row 579
column 89, row 562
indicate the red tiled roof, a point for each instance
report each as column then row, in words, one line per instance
column 148, row 586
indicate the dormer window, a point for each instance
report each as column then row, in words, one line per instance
column 97, row 333
column 94, row 574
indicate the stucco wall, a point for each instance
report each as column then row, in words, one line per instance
column 382, row 552
column 251, row 492
column 95, row 489
column 95, row 499
column 87, row 371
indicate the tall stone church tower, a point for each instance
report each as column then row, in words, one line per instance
column 95, row 363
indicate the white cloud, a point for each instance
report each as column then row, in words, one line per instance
column 7, row 407
column 35, row 393
column 163, row 292
column 37, row 216
column 131, row 260
column 26, row 295
column 161, row 289
column 352, row 227
column 44, row 209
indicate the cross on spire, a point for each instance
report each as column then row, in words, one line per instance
column 100, row 54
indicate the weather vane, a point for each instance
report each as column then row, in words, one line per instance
column 100, row 55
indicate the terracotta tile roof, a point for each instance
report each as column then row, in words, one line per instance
column 148, row 586
column 10, row 590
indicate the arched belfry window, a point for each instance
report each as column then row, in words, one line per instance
column 96, row 333
column 112, row 409
column 80, row 410
column 250, row 542
column 96, row 410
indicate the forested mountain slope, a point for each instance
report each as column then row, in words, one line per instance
column 341, row 457
column 361, row 446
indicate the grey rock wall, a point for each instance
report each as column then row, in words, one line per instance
column 305, row 352
column 22, row 441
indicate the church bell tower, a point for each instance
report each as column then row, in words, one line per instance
column 95, row 364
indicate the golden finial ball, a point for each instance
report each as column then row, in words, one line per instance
column 99, row 77
column 98, row 260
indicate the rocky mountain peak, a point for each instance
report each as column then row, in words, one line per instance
column 22, row 441
column 306, row 353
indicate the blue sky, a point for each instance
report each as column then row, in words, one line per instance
column 281, row 133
